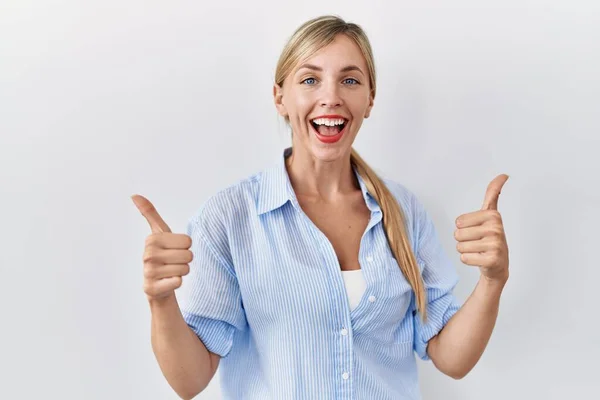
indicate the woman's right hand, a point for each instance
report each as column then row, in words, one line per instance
column 166, row 254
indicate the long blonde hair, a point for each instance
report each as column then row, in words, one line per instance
column 307, row 40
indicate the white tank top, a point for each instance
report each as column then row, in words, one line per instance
column 355, row 286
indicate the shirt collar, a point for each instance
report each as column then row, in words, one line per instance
column 276, row 189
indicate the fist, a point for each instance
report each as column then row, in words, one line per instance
column 481, row 238
column 166, row 255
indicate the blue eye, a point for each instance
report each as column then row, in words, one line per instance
column 352, row 81
column 312, row 81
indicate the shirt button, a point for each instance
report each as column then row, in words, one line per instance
column 344, row 332
column 372, row 299
column 369, row 259
column 345, row 375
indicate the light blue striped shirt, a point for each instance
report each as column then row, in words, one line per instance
column 266, row 293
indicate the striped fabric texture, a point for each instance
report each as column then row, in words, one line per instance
column 266, row 293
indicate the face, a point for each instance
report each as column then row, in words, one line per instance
column 326, row 97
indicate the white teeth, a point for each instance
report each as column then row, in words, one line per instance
column 329, row 121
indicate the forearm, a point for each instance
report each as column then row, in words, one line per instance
column 184, row 360
column 460, row 344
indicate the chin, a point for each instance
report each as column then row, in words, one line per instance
column 329, row 152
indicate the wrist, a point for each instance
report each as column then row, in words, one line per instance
column 162, row 302
column 493, row 284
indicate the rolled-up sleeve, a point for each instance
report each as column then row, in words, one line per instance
column 209, row 297
column 440, row 278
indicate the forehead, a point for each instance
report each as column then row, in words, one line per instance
column 340, row 53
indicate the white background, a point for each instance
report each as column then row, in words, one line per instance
column 101, row 100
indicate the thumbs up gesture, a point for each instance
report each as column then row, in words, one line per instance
column 166, row 254
column 480, row 236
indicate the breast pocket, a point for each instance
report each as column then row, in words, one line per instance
column 385, row 318
column 387, row 353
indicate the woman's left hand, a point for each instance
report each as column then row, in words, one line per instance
column 481, row 238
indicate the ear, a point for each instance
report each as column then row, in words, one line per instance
column 278, row 99
column 371, row 101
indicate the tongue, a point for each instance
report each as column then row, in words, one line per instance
column 329, row 130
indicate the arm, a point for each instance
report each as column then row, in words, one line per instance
column 183, row 359
column 199, row 325
column 482, row 243
column 460, row 344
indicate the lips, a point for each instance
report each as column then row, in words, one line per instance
column 329, row 132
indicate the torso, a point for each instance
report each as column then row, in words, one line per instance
column 343, row 224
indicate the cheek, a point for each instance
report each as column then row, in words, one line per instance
column 300, row 108
column 359, row 107
column 303, row 107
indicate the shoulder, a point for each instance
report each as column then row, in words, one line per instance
column 230, row 203
column 222, row 218
column 414, row 211
column 234, row 207
column 404, row 195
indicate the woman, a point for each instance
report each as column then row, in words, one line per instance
column 315, row 279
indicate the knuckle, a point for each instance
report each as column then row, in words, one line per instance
column 174, row 282
column 151, row 254
column 149, row 271
column 491, row 231
column 152, row 239
column 149, row 289
column 496, row 217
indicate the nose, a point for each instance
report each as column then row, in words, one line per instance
column 330, row 96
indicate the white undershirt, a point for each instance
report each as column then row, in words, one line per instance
column 355, row 286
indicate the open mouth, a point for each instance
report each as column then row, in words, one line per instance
column 329, row 129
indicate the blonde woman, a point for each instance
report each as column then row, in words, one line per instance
column 315, row 278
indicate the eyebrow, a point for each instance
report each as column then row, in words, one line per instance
column 345, row 69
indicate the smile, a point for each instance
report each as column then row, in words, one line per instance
column 329, row 128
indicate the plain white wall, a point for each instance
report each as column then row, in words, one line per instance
column 100, row 100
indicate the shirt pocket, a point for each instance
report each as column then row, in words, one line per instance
column 387, row 353
column 388, row 319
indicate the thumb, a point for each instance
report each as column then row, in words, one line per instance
column 492, row 193
column 157, row 224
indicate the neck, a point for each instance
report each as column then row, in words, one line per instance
column 319, row 180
